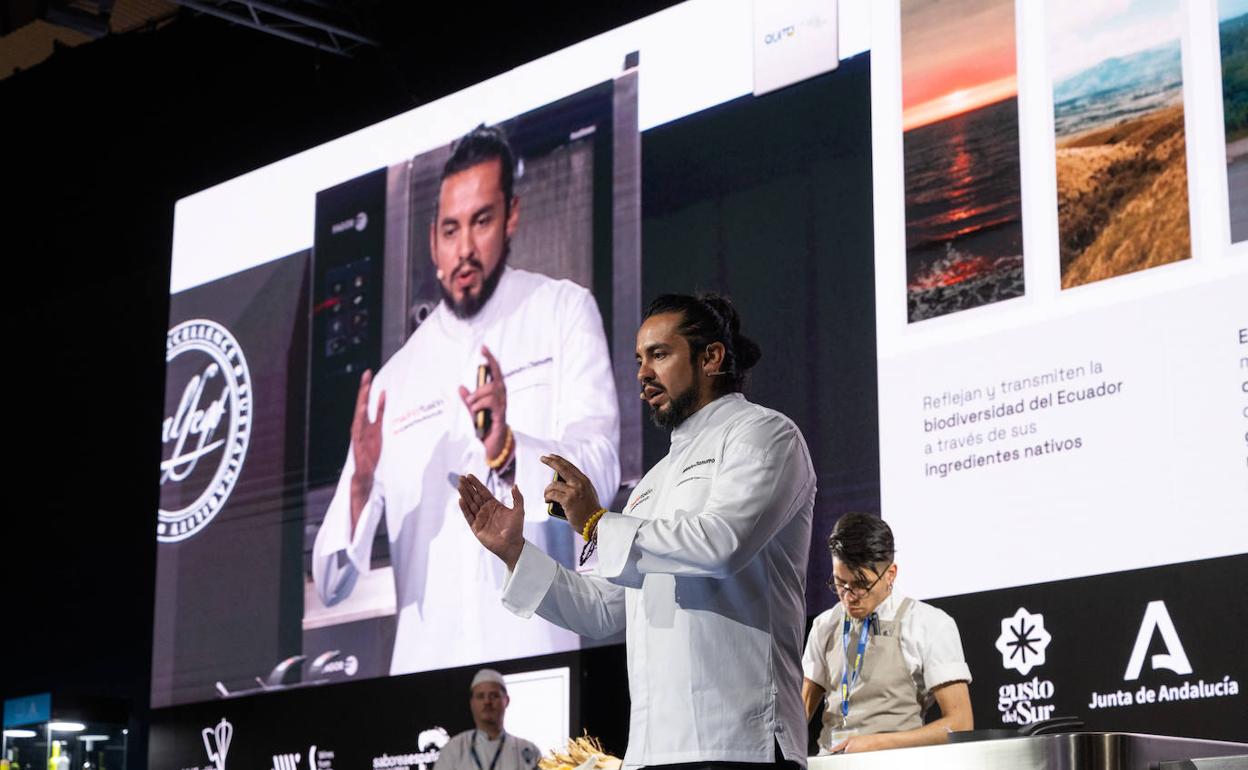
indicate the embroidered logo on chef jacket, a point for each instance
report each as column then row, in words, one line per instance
column 532, row 374
column 698, row 464
column 417, row 415
column 640, row 498
column 693, row 467
column 547, row 361
column 205, row 436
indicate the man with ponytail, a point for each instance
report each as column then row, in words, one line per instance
column 705, row 567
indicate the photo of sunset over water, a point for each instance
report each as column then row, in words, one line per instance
column 964, row 225
column 1121, row 148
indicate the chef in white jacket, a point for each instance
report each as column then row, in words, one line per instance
column 415, row 427
column 487, row 746
column 704, row 569
column 880, row 660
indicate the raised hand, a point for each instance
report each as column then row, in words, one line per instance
column 365, row 446
column 499, row 528
column 493, row 396
column 574, row 491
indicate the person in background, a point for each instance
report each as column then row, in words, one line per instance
column 879, row 683
column 487, row 746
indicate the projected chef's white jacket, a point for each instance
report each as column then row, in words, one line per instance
column 548, row 338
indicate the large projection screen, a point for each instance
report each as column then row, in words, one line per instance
column 996, row 257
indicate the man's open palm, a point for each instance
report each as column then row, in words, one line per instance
column 499, row 528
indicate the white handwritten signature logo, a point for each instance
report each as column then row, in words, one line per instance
column 212, row 417
column 189, row 420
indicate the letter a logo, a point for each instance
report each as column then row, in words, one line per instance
column 1156, row 618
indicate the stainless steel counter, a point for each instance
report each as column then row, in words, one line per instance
column 1069, row 751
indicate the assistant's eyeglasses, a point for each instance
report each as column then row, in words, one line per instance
column 856, row 590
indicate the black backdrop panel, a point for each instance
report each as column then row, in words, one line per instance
column 1086, row 628
column 1157, row 650
column 373, row 723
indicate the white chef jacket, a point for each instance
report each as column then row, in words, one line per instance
column 547, row 336
column 705, row 570
column 516, row 753
column 930, row 646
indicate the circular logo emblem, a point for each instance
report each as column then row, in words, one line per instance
column 205, row 435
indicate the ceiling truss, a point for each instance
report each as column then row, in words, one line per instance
column 314, row 23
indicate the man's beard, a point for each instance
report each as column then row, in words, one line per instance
column 470, row 305
column 678, row 409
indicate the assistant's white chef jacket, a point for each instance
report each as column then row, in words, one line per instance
column 706, row 571
column 548, row 338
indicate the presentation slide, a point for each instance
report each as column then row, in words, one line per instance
column 1064, row 346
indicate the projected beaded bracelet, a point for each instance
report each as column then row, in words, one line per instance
column 504, row 454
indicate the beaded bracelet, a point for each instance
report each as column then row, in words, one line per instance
column 504, row 454
column 590, row 533
column 592, row 523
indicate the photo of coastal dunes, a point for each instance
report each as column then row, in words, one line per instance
column 1233, row 40
column 964, row 221
column 1121, row 149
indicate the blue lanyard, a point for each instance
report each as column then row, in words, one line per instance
column 497, row 752
column 846, row 682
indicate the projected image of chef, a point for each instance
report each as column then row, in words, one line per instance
column 510, row 366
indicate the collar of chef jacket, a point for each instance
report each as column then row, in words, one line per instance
column 693, row 425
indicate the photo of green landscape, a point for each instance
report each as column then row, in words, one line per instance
column 1233, row 42
column 1121, row 151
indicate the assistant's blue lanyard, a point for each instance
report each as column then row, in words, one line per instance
column 497, row 753
column 846, row 681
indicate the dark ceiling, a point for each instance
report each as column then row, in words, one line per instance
column 32, row 30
